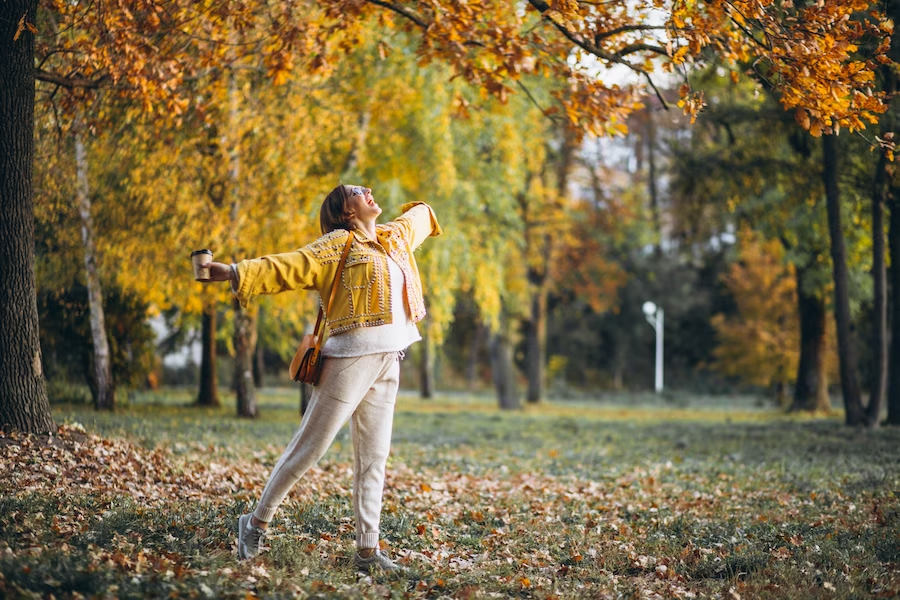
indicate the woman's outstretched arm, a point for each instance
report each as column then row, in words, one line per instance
column 269, row 274
column 417, row 223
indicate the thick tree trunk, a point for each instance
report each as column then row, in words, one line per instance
column 811, row 389
column 209, row 388
column 23, row 396
column 426, row 368
column 854, row 413
column 893, row 202
column 104, row 388
column 893, row 395
column 244, row 343
column 536, row 343
column 503, row 371
column 879, row 304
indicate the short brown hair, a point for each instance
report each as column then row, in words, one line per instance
column 333, row 214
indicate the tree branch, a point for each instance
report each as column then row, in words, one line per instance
column 534, row 101
column 627, row 28
column 656, row 91
column 582, row 43
column 638, row 47
column 69, row 82
column 402, row 11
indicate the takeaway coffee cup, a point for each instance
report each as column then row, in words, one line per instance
column 201, row 259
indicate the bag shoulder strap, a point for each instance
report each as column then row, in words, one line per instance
column 334, row 284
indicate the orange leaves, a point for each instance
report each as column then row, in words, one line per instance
column 759, row 343
column 22, row 26
column 811, row 57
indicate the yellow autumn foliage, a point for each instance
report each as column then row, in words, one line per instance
column 760, row 343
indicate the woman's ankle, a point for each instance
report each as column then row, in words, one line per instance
column 257, row 523
column 366, row 552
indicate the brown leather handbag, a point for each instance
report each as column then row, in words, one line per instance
column 306, row 366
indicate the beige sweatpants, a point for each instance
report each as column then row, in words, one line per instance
column 364, row 390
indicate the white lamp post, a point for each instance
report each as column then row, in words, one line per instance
column 654, row 316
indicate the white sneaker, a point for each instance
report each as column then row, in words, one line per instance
column 249, row 538
column 379, row 560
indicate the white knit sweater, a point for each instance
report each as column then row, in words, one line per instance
column 395, row 336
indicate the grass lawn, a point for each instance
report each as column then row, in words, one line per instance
column 624, row 497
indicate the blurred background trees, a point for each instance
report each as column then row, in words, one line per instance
column 569, row 195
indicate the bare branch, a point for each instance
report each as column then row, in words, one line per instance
column 402, row 11
column 656, row 91
column 626, row 28
column 534, row 101
column 582, row 43
column 69, row 82
column 640, row 47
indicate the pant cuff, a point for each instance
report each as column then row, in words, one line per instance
column 366, row 540
column 264, row 514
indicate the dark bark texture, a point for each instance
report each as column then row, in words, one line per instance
column 426, row 368
column 208, row 394
column 893, row 394
column 306, row 391
column 879, row 302
column 892, row 200
column 259, row 360
column 503, row 371
column 811, row 390
column 536, row 341
column 23, row 395
column 854, row 413
column 244, row 343
column 473, row 361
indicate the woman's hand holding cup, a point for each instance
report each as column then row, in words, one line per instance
column 220, row 272
column 206, row 270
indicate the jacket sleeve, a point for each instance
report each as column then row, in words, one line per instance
column 417, row 223
column 275, row 273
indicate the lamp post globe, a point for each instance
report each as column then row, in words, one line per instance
column 649, row 308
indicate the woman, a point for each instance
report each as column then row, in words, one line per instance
column 372, row 321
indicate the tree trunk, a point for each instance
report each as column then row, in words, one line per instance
column 651, row 183
column 104, row 387
column 879, row 304
column 780, row 391
column 209, row 389
column 811, row 389
column 259, row 362
column 305, row 396
column 893, row 395
column 244, row 343
column 892, row 196
column 244, row 337
column 854, row 413
column 351, row 164
column 426, row 368
column 536, row 343
column 474, row 358
column 23, row 395
column 503, row 371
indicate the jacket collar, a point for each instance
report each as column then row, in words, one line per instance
column 361, row 236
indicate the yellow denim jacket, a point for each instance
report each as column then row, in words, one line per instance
column 363, row 294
